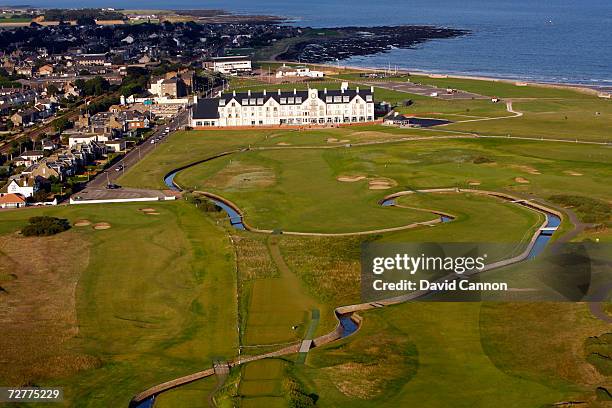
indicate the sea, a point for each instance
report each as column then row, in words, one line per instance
column 566, row 41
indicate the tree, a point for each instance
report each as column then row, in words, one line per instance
column 61, row 124
column 52, row 89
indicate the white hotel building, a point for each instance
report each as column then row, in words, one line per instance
column 309, row 107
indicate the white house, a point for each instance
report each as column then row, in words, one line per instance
column 301, row 71
column 26, row 186
column 238, row 64
column 308, row 107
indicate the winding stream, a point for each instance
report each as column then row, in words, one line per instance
column 347, row 324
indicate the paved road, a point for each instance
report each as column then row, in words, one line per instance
column 135, row 155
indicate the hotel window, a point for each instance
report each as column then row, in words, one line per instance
column 290, row 100
column 328, row 99
column 298, row 100
column 252, row 101
column 337, row 99
column 221, row 102
column 283, row 100
column 260, row 101
column 233, row 103
column 245, row 101
column 369, row 98
column 345, row 99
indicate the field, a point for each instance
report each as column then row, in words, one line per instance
column 155, row 297
column 132, row 320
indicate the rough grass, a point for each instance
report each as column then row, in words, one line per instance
column 154, row 301
column 37, row 307
column 590, row 210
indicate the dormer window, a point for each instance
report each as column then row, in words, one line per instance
column 221, row 102
column 298, row 99
column 245, row 101
column 252, row 101
column 283, row 101
column 260, row 101
column 369, row 98
column 345, row 99
column 328, row 99
column 290, row 100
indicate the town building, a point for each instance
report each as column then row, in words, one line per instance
column 26, row 186
column 307, row 107
column 304, row 72
column 10, row 200
column 234, row 65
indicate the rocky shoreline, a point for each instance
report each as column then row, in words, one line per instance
column 344, row 42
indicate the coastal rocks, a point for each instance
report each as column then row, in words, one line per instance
column 348, row 42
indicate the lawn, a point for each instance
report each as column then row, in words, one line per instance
column 429, row 354
column 135, row 320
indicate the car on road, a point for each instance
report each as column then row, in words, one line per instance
column 112, row 186
column 119, row 167
column 152, row 141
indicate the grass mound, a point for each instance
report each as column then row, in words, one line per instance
column 588, row 209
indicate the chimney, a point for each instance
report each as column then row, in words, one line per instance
column 357, row 89
column 325, row 91
column 233, row 93
column 264, row 92
column 279, row 92
column 249, row 92
column 294, row 91
column 220, row 93
column 372, row 89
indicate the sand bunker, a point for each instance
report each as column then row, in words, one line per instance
column 283, row 144
column 152, row 213
column 527, row 169
column 521, row 180
column 82, row 223
column 146, row 210
column 572, row 173
column 381, row 184
column 473, row 182
column 332, row 140
column 344, row 141
column 350, row 179
column 101, row 226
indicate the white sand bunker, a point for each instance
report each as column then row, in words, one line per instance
column 152, row 213
column 527, row 169
column 350, row 179
column 473, row 182
column 521, row 180
column 101, row 226
column 572, row 173
column 332, row 140
column 381, row 183
column 283, row 144
column 344, row 141
column 147, row 210
column 82, row 223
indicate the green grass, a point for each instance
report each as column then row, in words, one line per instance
column 451, row 365
column 149, row 318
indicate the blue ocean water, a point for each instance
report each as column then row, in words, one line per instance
column 554, row 40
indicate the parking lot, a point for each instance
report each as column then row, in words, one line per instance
column 425, row 90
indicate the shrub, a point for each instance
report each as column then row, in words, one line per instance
column 45, row 226
column 481, row 160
